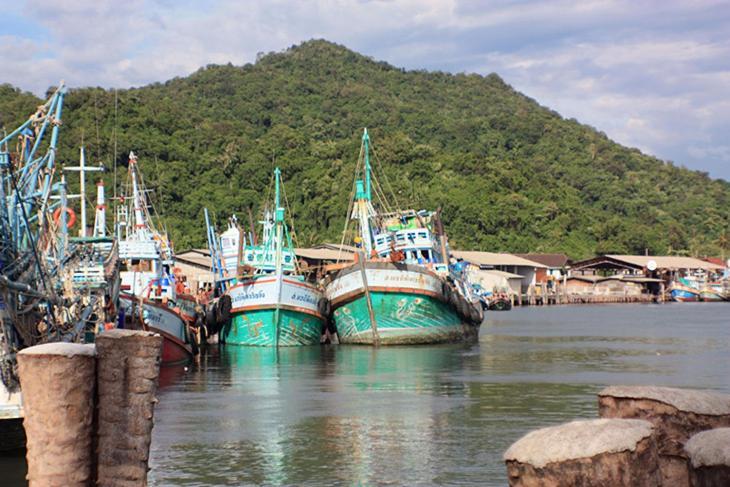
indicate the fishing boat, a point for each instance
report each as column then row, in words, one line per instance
column 273, row 305
column 709, row 294
column 401, row 288
column 53, row 286
column 147, row 297
column 683, row 290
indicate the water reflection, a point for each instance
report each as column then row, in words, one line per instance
column 420, row 415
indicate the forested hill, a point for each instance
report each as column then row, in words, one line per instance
column 509, row 174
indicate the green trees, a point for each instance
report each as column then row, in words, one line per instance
column 509, row 174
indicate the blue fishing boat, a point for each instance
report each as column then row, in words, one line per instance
column 683, row 290
column 401, row 288
column 53, row 286
column 273, row 306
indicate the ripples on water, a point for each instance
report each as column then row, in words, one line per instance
column 419, row 415
column 422, row 415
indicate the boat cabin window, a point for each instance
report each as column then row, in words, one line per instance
column 400, row 237
column 423, row 234
column 287, row 259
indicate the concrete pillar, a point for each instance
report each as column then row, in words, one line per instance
column 596, row 452
column 709, row 458
column 128, row 371
column 676, row 414
column 58, row 380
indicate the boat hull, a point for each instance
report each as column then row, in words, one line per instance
column 187, row 305
column 165, row 321
column 174, row 351
column 271, row 312
column 684, row 296
column 12, row 435
column 711, row 296
column 259, row 328
column 401, row 319
column 409, row 307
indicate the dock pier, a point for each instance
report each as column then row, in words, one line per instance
column 89, row 409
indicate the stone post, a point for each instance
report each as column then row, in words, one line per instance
column 676, row 414
column 709, row 458
column 596, row 452
column 128, row 371
column 58, row 380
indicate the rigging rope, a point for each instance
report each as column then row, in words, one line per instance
column 387, row 181
column 348, row 217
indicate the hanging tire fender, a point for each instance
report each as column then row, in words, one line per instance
column 210, row 316
column 323, row 307
column 223, row 308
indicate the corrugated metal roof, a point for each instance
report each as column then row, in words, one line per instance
column 490, row 258
column 193, row 251
column 666, row 262
column 550, row 260
column 716, row 260
column 324, row 254
column 194, row 258
column 337, row 247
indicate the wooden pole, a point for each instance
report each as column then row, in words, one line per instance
column 371, row 311
column 128, row 371
column 239, row 258
column 57, row 380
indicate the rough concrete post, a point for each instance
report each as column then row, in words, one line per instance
column 128, row 371
column 58, row 380
column 596, row 452
column 709, row 458
column 676, row 414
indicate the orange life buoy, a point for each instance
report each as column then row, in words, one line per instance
column 69, row 212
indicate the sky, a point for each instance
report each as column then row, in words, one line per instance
column 650, row 74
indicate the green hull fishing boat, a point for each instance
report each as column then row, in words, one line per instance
column 260, row 319
column 273, row 306
column 416, row 314
column 401, row 289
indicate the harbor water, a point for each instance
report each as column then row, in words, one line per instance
column 427, row 415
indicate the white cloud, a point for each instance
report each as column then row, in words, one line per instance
column 651, row 75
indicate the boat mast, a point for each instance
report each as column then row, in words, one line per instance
column 139, row 223
column 100, row 217
column 82, row 175
column 216, row 262
column 82, row 168
column 366, row 144
column 279, row 221
column 63, row 223
column 363, row 204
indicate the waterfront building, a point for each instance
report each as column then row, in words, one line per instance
column 556, row 265
column 528, row 270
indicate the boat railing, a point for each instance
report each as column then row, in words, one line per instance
column 142, row 250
